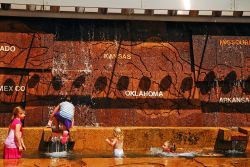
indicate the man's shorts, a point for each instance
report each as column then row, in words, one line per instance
column 66, row 122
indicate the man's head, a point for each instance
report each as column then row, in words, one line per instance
column 68, row 98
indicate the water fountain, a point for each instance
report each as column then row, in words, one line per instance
column 56, row 148
column 231, row 141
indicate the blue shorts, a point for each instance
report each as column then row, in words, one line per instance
column 66, row 122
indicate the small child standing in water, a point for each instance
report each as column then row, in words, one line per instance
column 168, row 147
column 117, row 142
column 14, row 145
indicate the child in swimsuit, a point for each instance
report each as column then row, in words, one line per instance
column 117, row 142
column 168, row 147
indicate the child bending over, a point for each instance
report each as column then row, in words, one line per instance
column 64, row 114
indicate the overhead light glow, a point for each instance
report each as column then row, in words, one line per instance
column 187, row 4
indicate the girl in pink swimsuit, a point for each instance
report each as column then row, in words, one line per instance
column 14, row 145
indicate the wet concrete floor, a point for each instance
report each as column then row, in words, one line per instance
column 128, row 162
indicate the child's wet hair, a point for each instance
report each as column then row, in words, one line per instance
column 16, row 111
column 117, row 130
column 166, row 142
column 170, row 144
column 118, row 133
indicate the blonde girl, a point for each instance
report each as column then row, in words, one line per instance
column 117, row 142
column 14, row 145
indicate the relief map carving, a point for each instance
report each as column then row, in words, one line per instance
column 118, row 80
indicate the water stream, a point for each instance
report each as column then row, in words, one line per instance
column 56, row 148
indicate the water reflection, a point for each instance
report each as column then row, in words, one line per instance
column 11, row 162
column 152, row 153
column 118, row 161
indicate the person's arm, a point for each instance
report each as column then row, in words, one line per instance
column 73, row 122
column 9, row 130
column 18, row 136
column 55, row 111
column 111, row 142
column 173, row 148
column 57, row 108
column 23, row 145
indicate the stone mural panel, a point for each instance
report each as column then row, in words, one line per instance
column 116, row 76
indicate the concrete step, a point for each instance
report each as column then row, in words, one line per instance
column 48, row 134
column 239, row 136
column 231, row 139
column 245, row 130
column 227, row 134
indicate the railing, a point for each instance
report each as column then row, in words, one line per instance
column 214, row 8
column 206, row 5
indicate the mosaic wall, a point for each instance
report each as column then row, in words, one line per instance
column 126, row 73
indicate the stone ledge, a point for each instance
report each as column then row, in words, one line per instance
column 226, row 134
column 239, row 136
column 135, row 138
column 245, row 130
column 47, row 134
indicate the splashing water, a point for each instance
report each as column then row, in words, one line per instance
column 158, row 152
column 235, row 149
column 57, row 154
column 56, row 148
column 86, row 116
